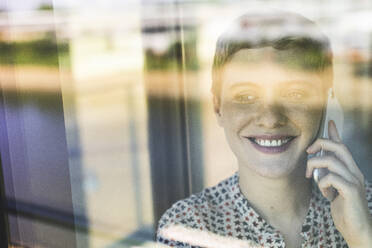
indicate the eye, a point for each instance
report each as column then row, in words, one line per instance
column 245, row 98
column 296, row 95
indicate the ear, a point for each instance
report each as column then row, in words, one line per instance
column 217, row 109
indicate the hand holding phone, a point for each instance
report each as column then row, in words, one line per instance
column 345, row 187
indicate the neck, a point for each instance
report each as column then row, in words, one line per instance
column 278, row 200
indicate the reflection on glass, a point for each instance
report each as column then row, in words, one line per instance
column 272, row 85
column 109, row 118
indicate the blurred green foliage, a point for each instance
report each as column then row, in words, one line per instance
column 43, row 51
column 45, row 7
column 172, row 57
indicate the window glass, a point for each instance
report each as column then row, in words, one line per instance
column 107, row 115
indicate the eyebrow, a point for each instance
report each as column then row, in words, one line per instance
column 243, row 84
column 301, row 83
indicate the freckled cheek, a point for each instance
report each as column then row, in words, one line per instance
column 306, row 118
column 237, row 116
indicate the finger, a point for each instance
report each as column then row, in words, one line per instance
column 333, row 132
column 333, row 164
column 329, row 145
column 341, row 152
column 344, row 188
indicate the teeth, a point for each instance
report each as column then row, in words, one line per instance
column 271, row 143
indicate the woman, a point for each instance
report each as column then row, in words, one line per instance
column 271, row 75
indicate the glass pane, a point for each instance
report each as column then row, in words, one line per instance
column 109, row 118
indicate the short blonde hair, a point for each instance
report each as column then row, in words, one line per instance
column 305, row 46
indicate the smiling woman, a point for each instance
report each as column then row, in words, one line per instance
column 271, row 74
column 277, row 110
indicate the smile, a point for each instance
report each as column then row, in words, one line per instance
column 271, row 144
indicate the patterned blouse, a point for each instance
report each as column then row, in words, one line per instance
column 225, row 211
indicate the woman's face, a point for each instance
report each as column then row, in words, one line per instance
column 270, row 113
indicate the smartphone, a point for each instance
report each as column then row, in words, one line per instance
column 333, row 112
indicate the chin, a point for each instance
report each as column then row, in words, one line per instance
column 273, row 170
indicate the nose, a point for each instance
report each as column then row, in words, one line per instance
column 271, row 116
